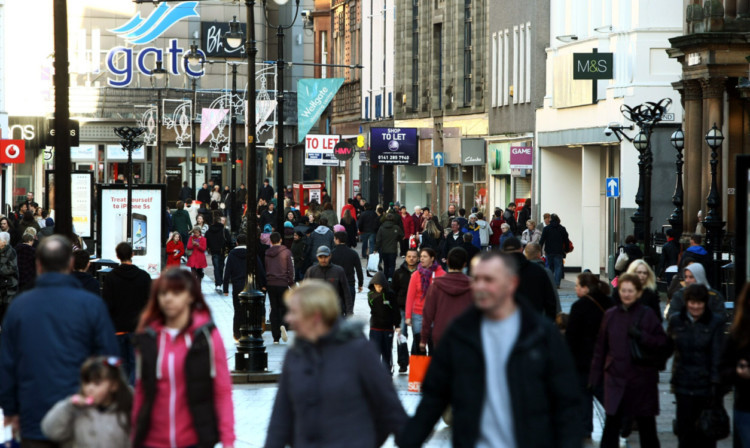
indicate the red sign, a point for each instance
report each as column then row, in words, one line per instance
column 12, row 151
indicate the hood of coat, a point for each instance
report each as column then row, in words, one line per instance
column 216, row 227
column 126, row 271
column 199, row 318
column 240, row 253
column 378, row 279
column 482, row 223
column 388, row 224
column 452, row 284
column 275, row 251
column 699, row 272
column 322, row 230
column 700, row 250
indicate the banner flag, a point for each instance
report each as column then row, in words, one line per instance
column 210, row 118
column 313, row 96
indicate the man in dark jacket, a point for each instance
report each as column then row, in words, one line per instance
column 41, row 363
column 670, row 255
column 535, row 286
column 181, row 222
column 235, row 274
column 697, row 253
column 279, row 277
column 510, row 218
column 400, row 286
column 26, row 262
column 387, row 242
column 217, row 238
column 81, row 265
column 268, row 216
column 266, row 191
column 126, row 291
column 347, row 258
column 454, row 239
column 334, row 275
column 493, row 368
column 204, row 195
column 321, row 236
column 554, row 240
column 186, row 192
column 368, row 224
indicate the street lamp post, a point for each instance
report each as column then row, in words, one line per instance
column 675, row 219
column 194, row 57
column 159, row 76
column 642, row 216
column 233, row 148
column 128, row 136
column 713, row 223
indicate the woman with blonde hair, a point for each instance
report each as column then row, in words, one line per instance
column 650, row 296
column 312, row 402
column 431, row 237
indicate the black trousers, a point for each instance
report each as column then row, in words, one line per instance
column 31, row 443
column 237, row 321
column 689, row 408
column 278, row 309
column 404, row 245
column 646, row 431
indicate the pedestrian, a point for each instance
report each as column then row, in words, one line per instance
column 348, row 259
column 8, row 273
column 26, row 222
column 204, row 195
column 99, row 413
column 266, row 191
column 536, row 287
column 697, row 253
column 531, row 234
column 630, row 388
column 81, row 266
column 186, row 192
column 181, row 221
column 400, row 285
column 510, row 218
column 218, row 240
column 216, row 194
column 447, row 298
column 506, row 233
column 431, row 237
column 409, row 230
column 196, row 248
column 469, row 247
column 268, row 217
column 329, row 214
column 505, row 372
column 279, row 278
column 419, row 285
column 335, row 276
column 694, row 273
column 26, row 261
column 351, row 208
column 581, row 332
column 698, row 339
column 387, row 244
column 298, row 255
column 630, row 252
column 183, row 370
column 453, row 239
column 6, row 226
column 554, row 241
column 288, row 237
column 448, row 216
column 235, row 274
column 29, row 386
column 313, row 406
column 175, row 250
column 472, row 228
column 385, row 318
column 735, row 368
column 462, row 221
column 350, row 224
column 649, row 296
column 368, row 224
column 485, row 231
column 200, row 221
column 670, row 256
column 192, row 208
column 495, row 225
column 126, row 290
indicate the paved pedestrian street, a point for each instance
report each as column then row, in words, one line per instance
column 253, row 403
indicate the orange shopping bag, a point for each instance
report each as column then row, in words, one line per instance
column 417, row 368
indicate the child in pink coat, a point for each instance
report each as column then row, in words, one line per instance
column 197, row 259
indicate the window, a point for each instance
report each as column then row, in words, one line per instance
column 467, row 53
column 340, row 43
column 495, row 85
column 437, row 63
column 521, row 84
column 415, row 55
column 506, row 64
column 528, row 63
column 514, row 81
column 354, row 43
column 324, row 53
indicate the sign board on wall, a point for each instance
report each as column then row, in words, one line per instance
column 319, row 150
column 83, row 153
column 82, row 202
column 213, row 40
column 116, row 153
column 521, row 157
column 394, row 146
column 148, row 226
column 473, row 152
column 593, row 66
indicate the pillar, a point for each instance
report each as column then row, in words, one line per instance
column 743, row 9
column 735, row 121
column 693, row 97
column 591, row 216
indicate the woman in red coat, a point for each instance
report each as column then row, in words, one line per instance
column 175, row 250
column 197, row 260
column 409, row 230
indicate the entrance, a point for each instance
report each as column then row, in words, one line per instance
column 174, row 185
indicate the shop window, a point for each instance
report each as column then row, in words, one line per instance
column 480, row 174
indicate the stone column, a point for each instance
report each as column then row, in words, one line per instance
column 735, row 120
column 693, row 97
column 591, row 211
column 743, row 9
column 713, row 108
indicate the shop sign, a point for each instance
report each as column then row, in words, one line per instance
column 593, row 66
column 84, row 153
column 82, row 206
column 356, row 185
column 12, row 151
column 213, row 40
column 343, row 150
column 74, row 128
column 319, row 150
column 473, row 152
column 521, row 157
column 393, row 146
column 123, row 62
column 116, row 153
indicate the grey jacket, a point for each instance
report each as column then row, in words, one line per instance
column 85, row 427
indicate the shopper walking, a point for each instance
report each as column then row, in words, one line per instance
column 385, row 318
column 196, row 247
column 735, row 368
column 649, row 296
column 175, row 250
column 280, row 277
column 400, row 285
column 368, row 224
column 419, row 285
column 218, row 240
column 554, row 241
column 387, row 244
column 26, row 262
column 181, row 221
column 348, row 259
column 333, row 275
column 235, row 274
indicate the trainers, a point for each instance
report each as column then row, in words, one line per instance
column 402, row 369
column 284, row 336
column 218, row 289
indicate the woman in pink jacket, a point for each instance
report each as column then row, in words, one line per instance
column 420, row 281
column 183, row 391
column 197, row 259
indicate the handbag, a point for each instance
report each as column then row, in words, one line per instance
column 372, row 263
column 418, row 365
column 647, row 356
column 713, row 423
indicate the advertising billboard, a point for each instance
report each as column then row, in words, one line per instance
column 393, row 146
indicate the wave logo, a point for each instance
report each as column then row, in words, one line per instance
column 140, row 31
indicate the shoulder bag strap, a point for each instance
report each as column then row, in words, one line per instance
column 596, row 303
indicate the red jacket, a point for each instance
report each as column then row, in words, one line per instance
column 409, row 228
column 352, row 211
column 171, row 422
column 414, row 299
column 447, row 298
column 496, row 231
column 198, row 258
column 172, row 258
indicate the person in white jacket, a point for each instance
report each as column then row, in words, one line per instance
column 485, row 231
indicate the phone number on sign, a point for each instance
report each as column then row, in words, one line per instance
column 392, row 158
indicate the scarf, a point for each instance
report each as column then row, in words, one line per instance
column 425, row 276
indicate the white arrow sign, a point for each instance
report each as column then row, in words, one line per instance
column 613, row 187
column 439, row 159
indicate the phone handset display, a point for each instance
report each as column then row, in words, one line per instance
column 140, row 234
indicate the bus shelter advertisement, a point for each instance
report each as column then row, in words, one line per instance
column 147, row 216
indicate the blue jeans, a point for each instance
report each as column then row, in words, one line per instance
column 389, row 264
column 416, row 328
column 218, row 261
column 367, row 239
column 742, row 428
column 383, row 341
column 555, row 262
column 128, row 356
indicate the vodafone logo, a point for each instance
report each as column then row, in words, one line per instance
column 12, row 151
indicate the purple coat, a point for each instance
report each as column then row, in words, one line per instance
column 630, row 388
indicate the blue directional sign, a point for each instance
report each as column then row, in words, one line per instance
column 438, row 160
column 613, row 187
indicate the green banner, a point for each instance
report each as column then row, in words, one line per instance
column 313, row 96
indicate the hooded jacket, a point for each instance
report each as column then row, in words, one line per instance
column 400, row 283
column 535, row 287
column 388, row 237
column 485, row 232
column 384, row 312
column 715, row 299
column 181, row 221
column 698, row 348
column 368, row 222
column 449, row 296
column 321, row 236
column 85, row 426
column 496, row 230
column 235, row 271
column 475, row 238
column 700, row 255
column 553, row 238
column 217, row 237
column 183, row 391
column 279, row 266
column 197, row 259
column 172, row 258
column 348, row 258
column 126, row 291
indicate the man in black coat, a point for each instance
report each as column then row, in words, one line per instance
column 510, row 218
column 493, row 368
column 347, row 258
column 204, row 195
column 266, row 191
column 554, row 240
column 217, row 238
column 670, row 255
column 235, row 274
column 454, row 239
column 186, row 192
column 400, row 285
column 368, row 224
column 535, row 285
column 126, row 291
column 81, row 264
column 335, row 275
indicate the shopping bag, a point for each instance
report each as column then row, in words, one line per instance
column 418, row 365
column 372, row 263
column 413, row 242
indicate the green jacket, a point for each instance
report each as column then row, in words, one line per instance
column 181, row 221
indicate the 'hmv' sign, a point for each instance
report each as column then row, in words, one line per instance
column 521, row 157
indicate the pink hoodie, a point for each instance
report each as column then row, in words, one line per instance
column 171, row 422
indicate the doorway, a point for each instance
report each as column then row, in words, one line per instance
column 340, row 192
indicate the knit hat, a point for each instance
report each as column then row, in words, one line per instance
column 339, row 228
column 267, row 228
column 288, row 225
